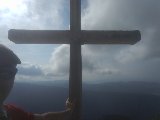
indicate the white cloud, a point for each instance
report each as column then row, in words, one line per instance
column 59, row 61
column 28, row 69
column 10, row 7
column 131, row 54
column 30, row 14
column 29, row 72
column 130, row 61
column 139, row 62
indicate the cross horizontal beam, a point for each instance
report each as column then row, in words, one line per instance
column 65, row 37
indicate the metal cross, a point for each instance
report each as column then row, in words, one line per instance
column 75, row 37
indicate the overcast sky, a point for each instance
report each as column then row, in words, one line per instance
column 139, row 62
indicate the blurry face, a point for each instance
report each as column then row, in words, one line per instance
column 7, row 76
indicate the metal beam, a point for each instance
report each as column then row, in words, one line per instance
column 110, row 37
column 66, row 37
column 39, row 36
column 75, row 78
column 75, row 15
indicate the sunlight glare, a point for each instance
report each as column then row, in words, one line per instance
column 14, row 6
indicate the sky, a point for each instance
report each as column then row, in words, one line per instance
column 139, row 62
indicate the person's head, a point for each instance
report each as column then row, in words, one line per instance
column 8, row 63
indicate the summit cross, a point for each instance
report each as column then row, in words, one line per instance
column 75, row 37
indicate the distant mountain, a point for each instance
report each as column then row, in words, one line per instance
column 126, row 87
column 134, row 100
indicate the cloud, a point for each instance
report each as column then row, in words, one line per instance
column 113, row 62
column 29, row 14
column 132, row 62
column 59, row 61
column 121, row 61
column 29, row 69
column 45, row 14
column 122, row 14
column 126, row 15
column 30, row 72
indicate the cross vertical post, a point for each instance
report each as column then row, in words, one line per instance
column 75, row 78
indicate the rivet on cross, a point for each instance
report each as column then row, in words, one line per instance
column 75, row 37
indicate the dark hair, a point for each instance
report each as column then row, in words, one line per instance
column 8, row 57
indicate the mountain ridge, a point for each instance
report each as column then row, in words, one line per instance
column 131, row 99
